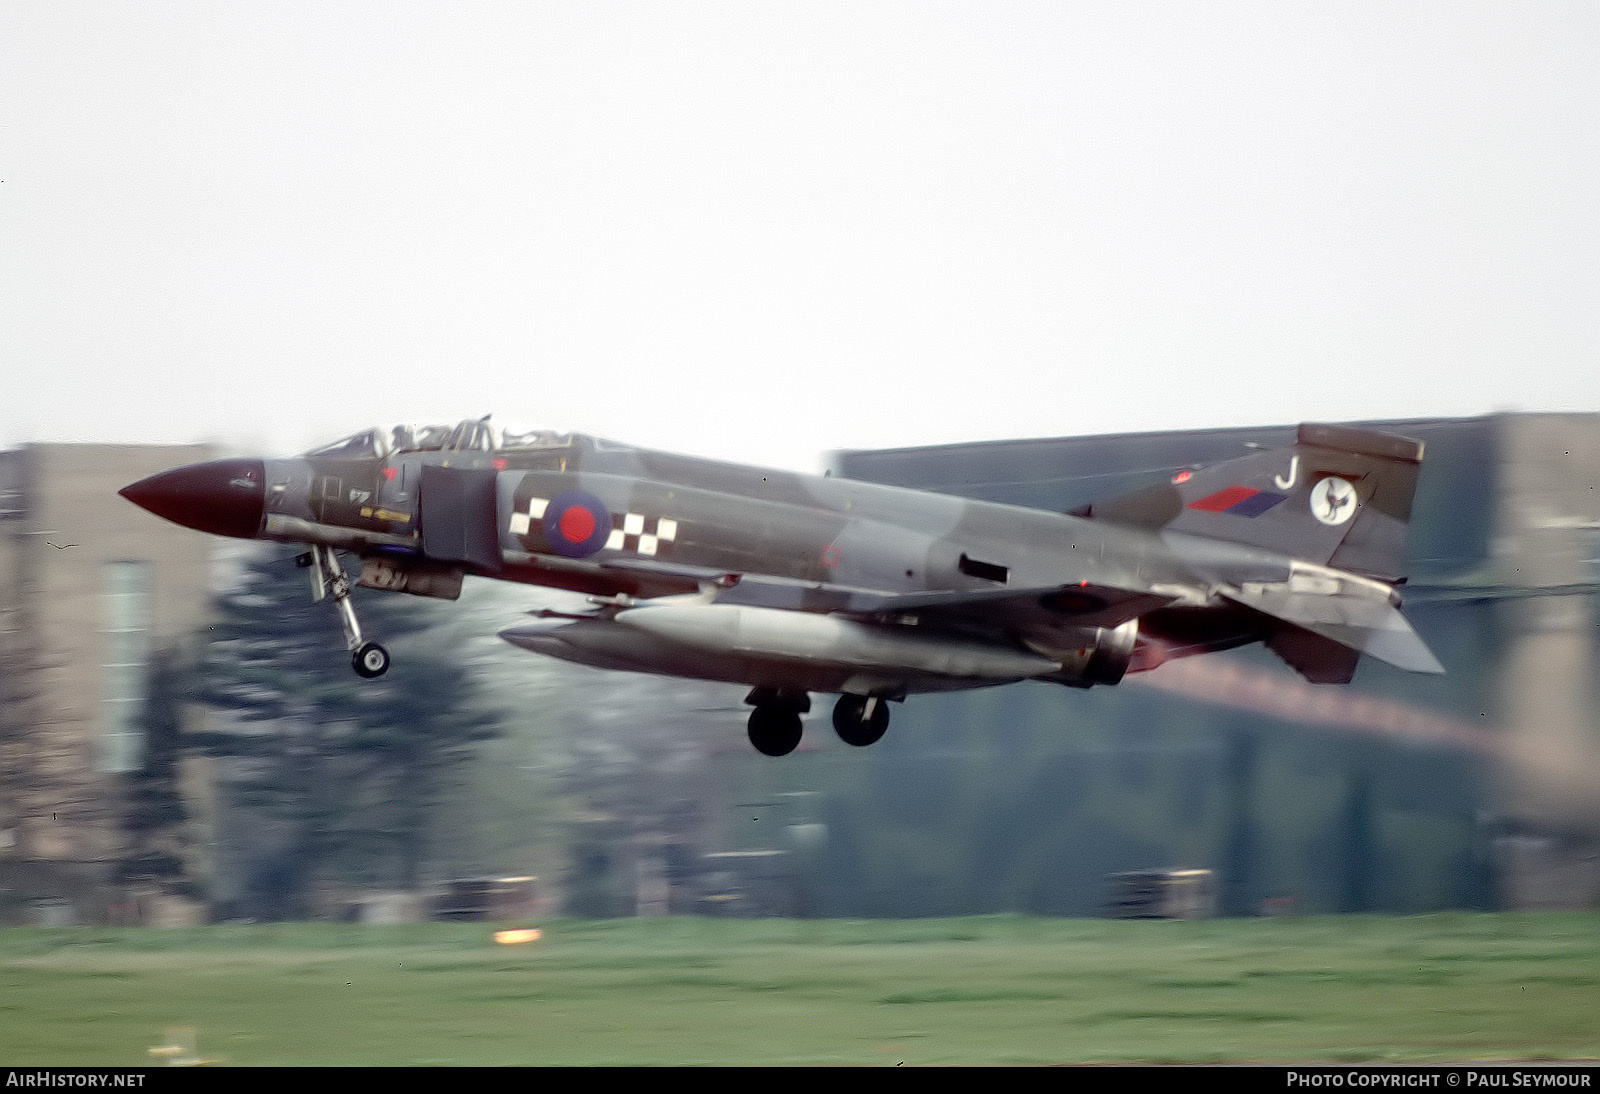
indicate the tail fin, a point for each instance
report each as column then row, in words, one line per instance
column 1339, row 496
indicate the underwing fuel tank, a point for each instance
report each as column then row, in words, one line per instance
column 771, row 634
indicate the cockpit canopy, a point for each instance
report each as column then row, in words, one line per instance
column 471, row 435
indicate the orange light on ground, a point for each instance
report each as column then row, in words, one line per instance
column 511, row 938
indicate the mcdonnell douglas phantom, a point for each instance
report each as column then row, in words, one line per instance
column 792, row 584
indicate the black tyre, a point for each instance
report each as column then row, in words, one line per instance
column 854, row 725
column 775, row 731
column 371, row 660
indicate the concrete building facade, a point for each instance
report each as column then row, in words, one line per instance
column 91, row 589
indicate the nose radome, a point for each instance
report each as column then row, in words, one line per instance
column 223, row 497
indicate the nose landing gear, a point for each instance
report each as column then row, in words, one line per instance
column 328, row 578
column 370, row 660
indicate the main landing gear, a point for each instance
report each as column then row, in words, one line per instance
column 328, row 579
column 860, row 720
column 775, row 728
column 775, row 722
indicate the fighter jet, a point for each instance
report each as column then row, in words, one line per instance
column 793, row 584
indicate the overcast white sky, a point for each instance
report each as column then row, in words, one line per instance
column 761, row 231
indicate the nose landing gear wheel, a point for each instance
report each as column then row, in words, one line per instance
column 774, row 730
column 860, row 720
column 371, row 660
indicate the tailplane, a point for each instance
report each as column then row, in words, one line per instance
column 1338, row 499
column 1320, row 632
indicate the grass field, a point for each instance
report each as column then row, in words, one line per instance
column 699, row 991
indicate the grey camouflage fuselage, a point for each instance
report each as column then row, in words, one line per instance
column 797, row 583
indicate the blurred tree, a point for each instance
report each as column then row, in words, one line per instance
column 636, row 775
column 153, row 814
column 356, row 773
column 511, row 813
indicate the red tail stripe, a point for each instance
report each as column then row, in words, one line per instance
column 1222, row 499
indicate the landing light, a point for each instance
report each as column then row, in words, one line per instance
column 521, row 934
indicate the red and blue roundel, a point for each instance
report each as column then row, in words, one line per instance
column 576, row 524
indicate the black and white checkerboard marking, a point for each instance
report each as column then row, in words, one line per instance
column 632, row 536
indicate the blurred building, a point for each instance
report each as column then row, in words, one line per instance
column 92, row 589
column 1547, row 538
column 1394, row 793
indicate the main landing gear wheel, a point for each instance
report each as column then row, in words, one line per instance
column 860, row 720
column 371, row 660
column 775, row 730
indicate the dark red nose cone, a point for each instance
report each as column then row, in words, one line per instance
column 223, row 497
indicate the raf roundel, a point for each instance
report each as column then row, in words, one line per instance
column 576, row 523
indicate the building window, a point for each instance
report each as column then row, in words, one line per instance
column 125, row 644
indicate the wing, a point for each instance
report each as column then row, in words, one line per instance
column 1010, row 610
column 1006, row 610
